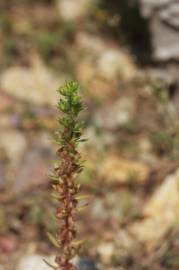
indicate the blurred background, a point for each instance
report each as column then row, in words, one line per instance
column 125, row 55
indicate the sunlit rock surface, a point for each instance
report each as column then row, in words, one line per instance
column 34, row 84
column 161, row 213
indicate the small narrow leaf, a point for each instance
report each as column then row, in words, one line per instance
column 56, row 196
column 55, row 161
column 56, row 142
column 82, row 140
column 78, row 243
column 81, row 208
column 82, row 197
column 50, row 265
column 53, row 240
column 54, row 178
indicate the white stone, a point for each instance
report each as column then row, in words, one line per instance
column 34, row 262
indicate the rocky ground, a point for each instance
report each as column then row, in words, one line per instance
column 132, row 167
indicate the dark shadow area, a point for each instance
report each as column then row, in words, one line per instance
column 132, row 27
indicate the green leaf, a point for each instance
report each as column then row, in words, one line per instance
column 73, row 86
column 69, row 88
column 64, row 122
column 63, row 106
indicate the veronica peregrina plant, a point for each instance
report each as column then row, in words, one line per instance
column 68, row 165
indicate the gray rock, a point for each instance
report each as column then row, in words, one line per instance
column 148, row 6
column 170, row 15
column 165, row 41
column 164, row 27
